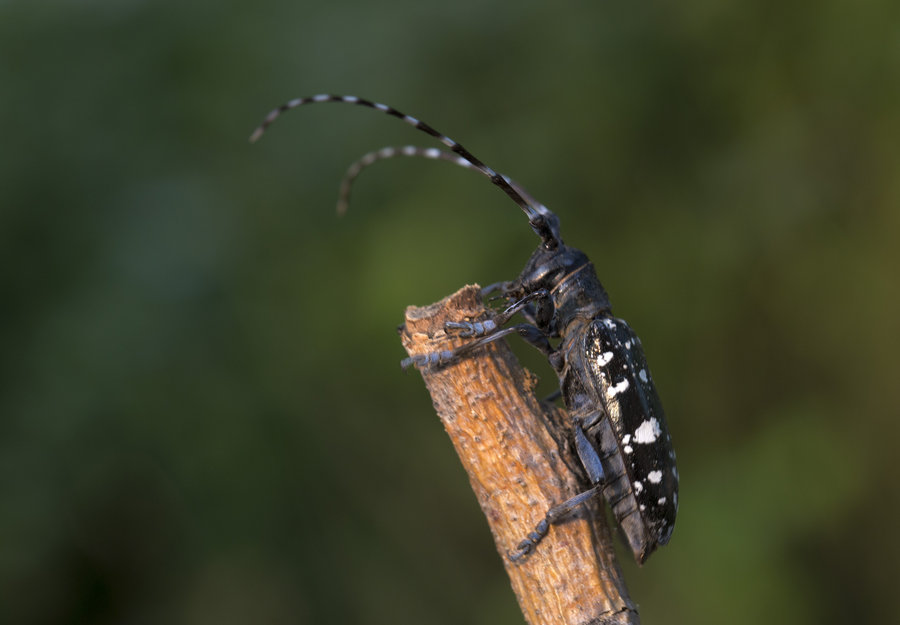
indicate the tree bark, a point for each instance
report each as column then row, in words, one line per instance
column 519, row 461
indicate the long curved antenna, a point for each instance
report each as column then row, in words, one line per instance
column 542, row 221
column 415, row 151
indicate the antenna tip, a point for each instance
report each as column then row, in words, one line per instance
column 257, row 134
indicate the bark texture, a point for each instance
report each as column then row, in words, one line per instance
column 515, row 452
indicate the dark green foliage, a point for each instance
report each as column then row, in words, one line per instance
column 200, row 425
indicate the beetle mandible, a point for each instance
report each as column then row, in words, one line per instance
column 618, row 424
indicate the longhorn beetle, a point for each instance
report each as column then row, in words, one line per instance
column 619, row 428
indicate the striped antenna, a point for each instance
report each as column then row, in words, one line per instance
column 415, row 151
column 542, row 221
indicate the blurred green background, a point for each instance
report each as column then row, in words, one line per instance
column 202, row 417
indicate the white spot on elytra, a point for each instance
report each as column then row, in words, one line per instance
column 627, row 344
column 604, row 358
column 655, row 477
column 643, row 507
column 661, row 501
column 642, row 374
column 609, row 323
column 647, row 432
column 626, row 439
column 628, row 449
column 675, row 500
column 638, row 487
column 621, row 387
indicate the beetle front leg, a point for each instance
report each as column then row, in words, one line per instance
column 503, row 287
column 469, row 329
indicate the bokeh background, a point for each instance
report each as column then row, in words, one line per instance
column 202, row 417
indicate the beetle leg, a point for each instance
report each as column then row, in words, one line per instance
column 532, row 335
column 483, row 328
column 554, row 515
column 552, row 397
column 496, row 286
column 591, row 461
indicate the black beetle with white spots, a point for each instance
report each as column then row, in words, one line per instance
column 619, row 429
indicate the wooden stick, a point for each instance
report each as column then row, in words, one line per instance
column 519, row 464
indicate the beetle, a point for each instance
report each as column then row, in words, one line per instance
column 619, row 429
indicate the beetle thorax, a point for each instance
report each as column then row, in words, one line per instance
column 570, row 278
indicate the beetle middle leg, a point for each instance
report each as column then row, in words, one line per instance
column 531, row 334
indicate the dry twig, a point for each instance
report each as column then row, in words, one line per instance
column 514, row 451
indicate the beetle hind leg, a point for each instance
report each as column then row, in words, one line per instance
column 554, row 515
